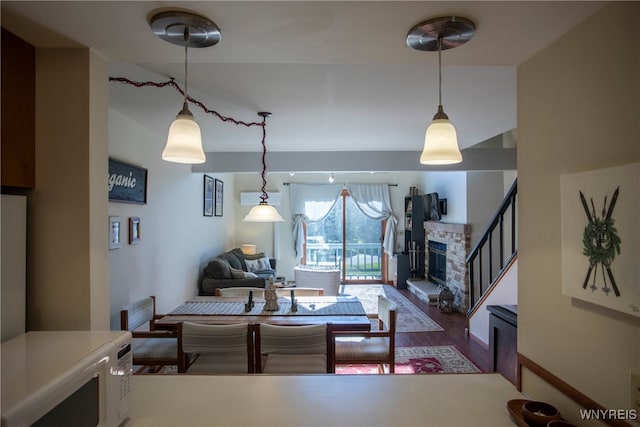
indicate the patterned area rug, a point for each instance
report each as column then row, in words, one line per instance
column 444, row 359
column 410, row 317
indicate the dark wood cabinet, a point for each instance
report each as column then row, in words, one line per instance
column 503, row 340
column 18, row 113
column 414, row 234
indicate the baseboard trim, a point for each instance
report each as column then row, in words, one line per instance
column 567, row 389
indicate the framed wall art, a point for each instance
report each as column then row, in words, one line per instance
column 601, row 237
column 114, row 232
column 126, row 182
column 219, row 197
column 208, row 196
column 134, row 230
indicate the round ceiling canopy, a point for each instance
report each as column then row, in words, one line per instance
column 453, row 30
column 170, row 26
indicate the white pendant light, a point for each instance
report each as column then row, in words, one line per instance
column 184, row 142
column 440, row 140
column 263, row 212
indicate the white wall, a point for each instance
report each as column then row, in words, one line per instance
column 176, row 239
column 505, row 292
column 262, row 234
column 451, row 186
column 578, row 109
column 485, row 191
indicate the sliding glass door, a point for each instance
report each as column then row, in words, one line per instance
column 348, row 240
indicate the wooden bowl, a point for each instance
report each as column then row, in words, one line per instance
column 539, row 414
column 560, row 423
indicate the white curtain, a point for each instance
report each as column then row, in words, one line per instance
column 374, row 201
column 310, row 203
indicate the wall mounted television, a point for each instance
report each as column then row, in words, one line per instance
column 432, row 207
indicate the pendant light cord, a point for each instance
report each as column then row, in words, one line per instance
column 439, row 70
column 264, row 196
column 186, row 53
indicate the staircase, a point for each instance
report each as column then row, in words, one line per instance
column 494, row 253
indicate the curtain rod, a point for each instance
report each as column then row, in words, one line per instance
column 287, row 183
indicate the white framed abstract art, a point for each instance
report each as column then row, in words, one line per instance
column 601, row 237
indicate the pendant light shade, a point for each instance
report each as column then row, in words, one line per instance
column 184, row 143
column 440, row 139
column 263, row 212
column 440, row 142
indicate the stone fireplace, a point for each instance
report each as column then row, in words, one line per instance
column 456, row 241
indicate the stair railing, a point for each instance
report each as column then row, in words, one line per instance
column 485, row 258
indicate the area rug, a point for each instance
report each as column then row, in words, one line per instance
column 444, row 359
column 410, row 317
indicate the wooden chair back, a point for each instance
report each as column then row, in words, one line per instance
column 226, row 341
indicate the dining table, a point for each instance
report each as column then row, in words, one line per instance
column 343, row 313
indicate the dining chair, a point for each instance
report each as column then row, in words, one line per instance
column 215, row 349
column 292, row 349
column 239, row 291
column 329, row 280
column 373, row 347
column 300, row 292
column 149, row 347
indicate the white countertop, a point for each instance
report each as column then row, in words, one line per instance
column 321, row 400
column 33, row 359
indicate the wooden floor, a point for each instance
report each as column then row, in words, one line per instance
column 454, row 333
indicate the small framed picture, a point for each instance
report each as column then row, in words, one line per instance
column 208, row 196
column 114, row 232
column 219, row 193
column 134, row 230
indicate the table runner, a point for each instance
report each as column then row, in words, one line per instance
column 305, row 308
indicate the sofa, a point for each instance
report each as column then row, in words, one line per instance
column 233, row 269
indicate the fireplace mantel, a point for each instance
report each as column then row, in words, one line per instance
column 458, row 240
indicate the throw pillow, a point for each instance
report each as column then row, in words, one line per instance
column 237, row 252
column 237, row 274
column 219, row 269
column 261, row 264
column 254, row 256
column 232, row 259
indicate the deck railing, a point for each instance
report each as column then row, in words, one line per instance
column 362, row 259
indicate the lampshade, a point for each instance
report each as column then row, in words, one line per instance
column 263, row 212
column 248, row 249
column 184, row 143
column 440, row 144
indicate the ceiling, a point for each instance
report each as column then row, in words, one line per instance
column 337, row 76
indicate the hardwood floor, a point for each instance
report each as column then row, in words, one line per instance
column 454, row 333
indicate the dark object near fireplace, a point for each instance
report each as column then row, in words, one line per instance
column 432, row 210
